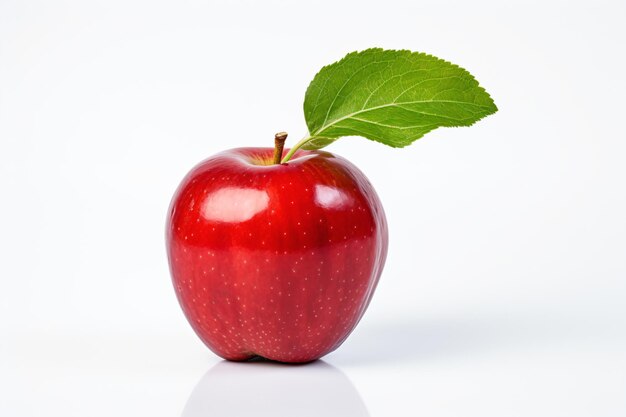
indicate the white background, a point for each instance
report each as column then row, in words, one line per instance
column 504, row 291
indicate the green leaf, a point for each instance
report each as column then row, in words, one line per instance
column 393, row 97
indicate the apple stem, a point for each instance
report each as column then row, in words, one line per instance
column 279, row 144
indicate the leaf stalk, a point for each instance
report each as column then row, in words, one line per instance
column 295, row 148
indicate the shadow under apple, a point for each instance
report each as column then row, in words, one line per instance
column 263, row 388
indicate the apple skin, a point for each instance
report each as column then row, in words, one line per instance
column 277, row 261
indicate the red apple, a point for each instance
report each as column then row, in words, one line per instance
column 275, row 260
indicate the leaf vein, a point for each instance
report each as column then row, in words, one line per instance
column 382, row 106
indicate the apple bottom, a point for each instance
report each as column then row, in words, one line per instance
column 295, row 315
